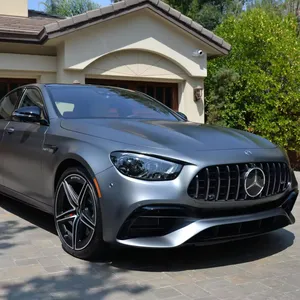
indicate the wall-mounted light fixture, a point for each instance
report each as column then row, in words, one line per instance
column 198, row 92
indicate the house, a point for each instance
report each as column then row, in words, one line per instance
column 143, row 45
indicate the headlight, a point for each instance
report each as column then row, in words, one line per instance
column 145, row 167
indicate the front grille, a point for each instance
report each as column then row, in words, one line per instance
column 226, row 182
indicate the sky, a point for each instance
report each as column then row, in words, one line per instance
column 36, row 4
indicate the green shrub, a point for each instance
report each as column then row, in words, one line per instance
column 257, row 86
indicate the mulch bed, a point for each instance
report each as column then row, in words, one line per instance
column 294, row 159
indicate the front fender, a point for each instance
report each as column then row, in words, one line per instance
column 93, row 158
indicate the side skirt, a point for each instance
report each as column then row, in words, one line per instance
column 6, row 192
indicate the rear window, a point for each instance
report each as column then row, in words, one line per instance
column 85, row 102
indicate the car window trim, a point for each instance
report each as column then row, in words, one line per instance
column 17, row 103
column 45, row 111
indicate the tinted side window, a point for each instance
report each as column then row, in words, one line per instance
column 32, row 97
column 9, row 103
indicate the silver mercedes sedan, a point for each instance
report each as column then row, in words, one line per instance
column 118, row 167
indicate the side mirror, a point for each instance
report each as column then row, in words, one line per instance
column 27, row 114
column 182, row 115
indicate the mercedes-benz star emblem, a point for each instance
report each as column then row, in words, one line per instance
column 254, row 182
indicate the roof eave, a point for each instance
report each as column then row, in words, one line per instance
column 119, row 9
column 69, row 25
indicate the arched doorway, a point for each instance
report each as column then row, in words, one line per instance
column 167, row 93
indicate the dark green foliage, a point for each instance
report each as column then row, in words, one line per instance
column 68, row 8
column 256, row 87
column 208, row 13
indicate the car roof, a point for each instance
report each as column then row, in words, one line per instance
column 62, row 85
column 57, row 84
column 75, row 85
column 66, row 84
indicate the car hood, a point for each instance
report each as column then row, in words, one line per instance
column 167, row 134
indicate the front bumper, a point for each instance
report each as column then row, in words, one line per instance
column 173, row 230
column 162, row 214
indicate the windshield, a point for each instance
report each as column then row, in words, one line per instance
column 85, row 102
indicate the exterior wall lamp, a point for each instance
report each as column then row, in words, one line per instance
column 198, row 92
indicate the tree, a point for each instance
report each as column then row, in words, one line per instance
column 209, row 16
column 69, row 8
column 206, row 12
column 183, row 6
column 211, row 13
column 256, row 87
column 293, row 6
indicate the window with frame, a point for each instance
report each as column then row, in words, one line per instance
column 8, row 104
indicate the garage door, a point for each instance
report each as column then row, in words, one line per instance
column 8, row 84
column 166, row 93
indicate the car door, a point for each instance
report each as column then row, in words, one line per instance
column 23, row 150
column 7, row 106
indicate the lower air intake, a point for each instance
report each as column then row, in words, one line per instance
column 238, row 230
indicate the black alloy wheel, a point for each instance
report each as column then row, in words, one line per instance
column 77, row 215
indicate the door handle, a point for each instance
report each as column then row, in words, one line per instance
column 10, row 130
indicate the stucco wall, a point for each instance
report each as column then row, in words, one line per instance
column 138, row 31
column 140, row 46
column 14, row 8
column 193, row 110
column 47, row 78
column 136, row 64
column 64, row 75
column 25, row 62
column 42, row 68
column 40, row 77
column 142, row 65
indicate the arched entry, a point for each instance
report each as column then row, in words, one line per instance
column 138, row 70
column 165, row 92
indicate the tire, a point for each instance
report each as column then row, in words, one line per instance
column 77, row 215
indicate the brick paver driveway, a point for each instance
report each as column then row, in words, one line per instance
column 33, row 266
